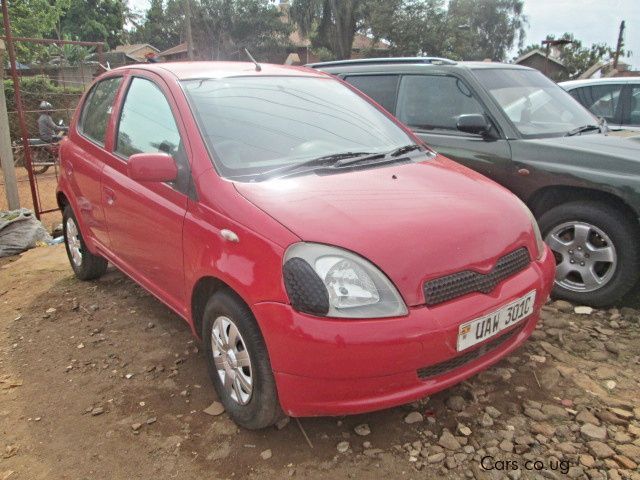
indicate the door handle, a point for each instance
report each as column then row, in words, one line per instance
column 109, row 196
column 523, row 172
column 229, row 235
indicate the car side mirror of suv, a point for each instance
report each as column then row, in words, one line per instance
column 475, row 123
column 152, row 167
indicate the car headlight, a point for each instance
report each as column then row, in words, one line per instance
column 332, row 282
column 536, row 231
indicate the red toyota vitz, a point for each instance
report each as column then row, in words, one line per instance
column 329, row 260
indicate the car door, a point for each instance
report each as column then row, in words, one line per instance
column 83, row 158
column 431, row 105
column 145, row 219
column 631, row 106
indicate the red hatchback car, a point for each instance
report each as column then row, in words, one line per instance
column 329, row 260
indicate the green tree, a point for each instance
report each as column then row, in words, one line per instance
column 96, row 20
column 331, row 24
column 484, row 29
column 68, row 54
column 459, row 29
column 223, row 28
column 411, row 27
column 33, row 18
column 157, row 27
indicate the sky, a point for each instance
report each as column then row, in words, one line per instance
column 591, row 21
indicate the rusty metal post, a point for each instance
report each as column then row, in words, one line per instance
column 100, row 52
column 18, row 100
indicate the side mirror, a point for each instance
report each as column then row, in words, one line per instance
column 473, row 123
column 152, row 167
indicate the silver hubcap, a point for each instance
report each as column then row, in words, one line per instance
column 73, row 242
column 586, row 257
column 231, row 359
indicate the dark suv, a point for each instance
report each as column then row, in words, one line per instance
column 517, row 127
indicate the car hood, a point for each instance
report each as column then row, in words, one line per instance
column 586, row 150
column 414, row 221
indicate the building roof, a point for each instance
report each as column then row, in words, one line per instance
column 181, row 48
column 605, row 69
column 362, row 42
column 537, row 51
column 298, row 40
column 133, row 48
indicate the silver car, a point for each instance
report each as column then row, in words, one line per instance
column 615, row 99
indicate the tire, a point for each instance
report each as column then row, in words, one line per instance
column 86, row 266
column 38, row 157
column 611, row 236
column 260, row 408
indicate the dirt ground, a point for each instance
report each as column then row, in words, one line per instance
column 99, row 380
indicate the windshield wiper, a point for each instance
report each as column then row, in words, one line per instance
column 338, row 160
column 326, row 160
column 584, row 128
column 393, row 153
column 405, row 149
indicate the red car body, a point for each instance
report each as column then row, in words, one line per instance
column 415, row 222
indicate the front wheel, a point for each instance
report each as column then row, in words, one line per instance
column 596, row 251
column 238, row 362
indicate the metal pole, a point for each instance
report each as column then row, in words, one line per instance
column 6, row 152
column 18, row 100
column 618, row 46
column 187, row 14
column 50, row 41
column 100, row 56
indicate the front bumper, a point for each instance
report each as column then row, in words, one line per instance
column 345, row 366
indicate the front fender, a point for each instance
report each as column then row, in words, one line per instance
column 251, row 267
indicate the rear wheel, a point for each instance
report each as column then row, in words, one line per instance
column 40, row 160
column 238, row 362
column 596, row 251
column 86, row 265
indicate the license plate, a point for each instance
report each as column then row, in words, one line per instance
column 480, row 329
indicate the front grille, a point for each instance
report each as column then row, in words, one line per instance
column 457, row 362
column 458, row 284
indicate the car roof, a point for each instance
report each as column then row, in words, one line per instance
column 199, row 70
column 598, row 81
column 383, row 61
column 408, row 65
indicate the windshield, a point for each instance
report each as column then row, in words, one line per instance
column 536, row 106
column 253, row 125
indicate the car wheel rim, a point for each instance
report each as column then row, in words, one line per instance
column 586, row 258
column 231, row 359
column 73, row 242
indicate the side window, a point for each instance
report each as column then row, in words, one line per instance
column 382, row 88
column 97, row 109
column 434, row 101
column 146, row 122
column 634, row 106
column 602, row 100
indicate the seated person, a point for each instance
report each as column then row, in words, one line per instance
column 47, row 129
